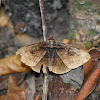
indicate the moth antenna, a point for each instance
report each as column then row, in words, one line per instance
column 44, row 26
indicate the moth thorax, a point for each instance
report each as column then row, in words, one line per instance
column 51, row 43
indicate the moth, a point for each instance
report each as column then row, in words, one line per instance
column 58, row 57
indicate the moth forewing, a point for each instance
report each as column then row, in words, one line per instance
column 73, row 57
column 31, row 54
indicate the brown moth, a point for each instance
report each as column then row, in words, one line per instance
column 58, row 57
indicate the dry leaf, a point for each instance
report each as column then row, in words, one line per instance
column 14, row 91
column 2, row 97
column 92, row 74
column 58, row 57
column 12, row 64
column 4, row 79
column 39, row 97
column 90, row 84
column 89, row 66
column 95, row 54
column 66, row 41
column 5, row 19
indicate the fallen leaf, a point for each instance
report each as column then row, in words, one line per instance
column 39, row 97
column 15, row 92
column 89, row 84
column 2, row 97
column 5, row 19
column 4, row 79
column 92, row 74
column 88, row 67
column 95, row 54
column 12, row 64
column 66, row 41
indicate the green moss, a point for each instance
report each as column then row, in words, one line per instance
column 91, row 34
column 84, row 6
column 88, row 44
column 70, row 35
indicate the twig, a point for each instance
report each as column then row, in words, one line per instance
column 44, row 27
column 0, row 3
column 45, row 85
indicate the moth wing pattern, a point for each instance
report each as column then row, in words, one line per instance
column 37, row 67
column 57, row 66
column 62, row 60
column 72, row 57
column 32, row 54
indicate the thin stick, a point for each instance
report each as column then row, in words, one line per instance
column 45, row 85
column 44, row 27
column 0, row 3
